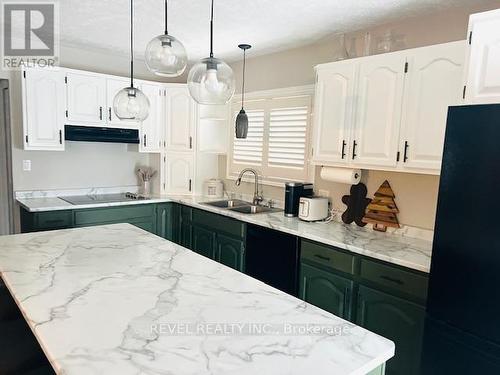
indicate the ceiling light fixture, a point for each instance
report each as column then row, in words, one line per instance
column 165, row 55
column 211, row 80
column 130, row 103
column 242, row 118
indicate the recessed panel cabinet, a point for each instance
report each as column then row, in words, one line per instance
column 151, row 134
column 181, row 118
column 44, row 106
column 483, row 74
column 86, row 97
column 333, row 108
column 388, row 111
column 179, row 170
column 378, row 110
column 113, row 86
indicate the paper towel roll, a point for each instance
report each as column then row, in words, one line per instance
column 342, row 175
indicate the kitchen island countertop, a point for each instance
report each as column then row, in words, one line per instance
column 117, row 300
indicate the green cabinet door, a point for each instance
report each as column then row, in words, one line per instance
column 204, row 242
column 230, row 252
column 396, row 319
column 186, row 235
column 326, row 290
column 166, row 221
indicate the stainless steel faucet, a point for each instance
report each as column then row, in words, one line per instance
column 257, row 198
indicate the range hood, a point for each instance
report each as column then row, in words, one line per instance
column 100, row 134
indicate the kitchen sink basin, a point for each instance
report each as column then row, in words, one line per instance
column 251, row 209
column 228, row 203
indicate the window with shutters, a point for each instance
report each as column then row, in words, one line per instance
column 277, row 145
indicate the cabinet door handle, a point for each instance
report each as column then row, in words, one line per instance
column 354, row 144
column 326, row 259
column 190, row 184
column 343, row 148
column 60, row 136
column 392, row 280
column 190, row 143
column 145, row 140
column 405, row 155
column 100, row 113
column 109, row 113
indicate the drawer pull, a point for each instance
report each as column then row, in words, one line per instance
column 326, row 259
column 392, row 280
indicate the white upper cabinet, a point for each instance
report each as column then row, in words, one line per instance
column 179, row 170
column 151, row 133
column 333, row 112
column 113, row 86
column 378, row 110
column 483, row 72
column 181, row 118
column 44, row 107
column 433, row 84
column 86, row 97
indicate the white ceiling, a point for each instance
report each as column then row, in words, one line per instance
column 269, row 25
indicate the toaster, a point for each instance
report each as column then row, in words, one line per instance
column 313, row 208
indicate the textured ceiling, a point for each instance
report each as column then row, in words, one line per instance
column 269, row 25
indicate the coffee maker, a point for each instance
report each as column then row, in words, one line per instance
column 293, row 192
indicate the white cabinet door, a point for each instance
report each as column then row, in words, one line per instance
column 44, row 107
column 181, row 117
column 333, row 112
column 113, row 86
column 433, row 83
column 152, row 129
column 86, row 96
column 179, row 170
column 483, row 77
column 378, row 110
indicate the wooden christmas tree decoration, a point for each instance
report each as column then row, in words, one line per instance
column 382, row 210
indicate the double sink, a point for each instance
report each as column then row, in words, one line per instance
column 242, row 207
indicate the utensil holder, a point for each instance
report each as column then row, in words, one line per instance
column 146, row 188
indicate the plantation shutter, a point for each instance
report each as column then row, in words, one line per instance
column 250, row 150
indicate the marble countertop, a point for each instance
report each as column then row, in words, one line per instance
column 414, row 253
column 117, row 300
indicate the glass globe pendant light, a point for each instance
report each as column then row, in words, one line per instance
column 165, row 55
column 130, row 103
column 211, row 81
column 242, row 118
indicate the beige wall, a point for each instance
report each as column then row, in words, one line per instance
column 416, row 195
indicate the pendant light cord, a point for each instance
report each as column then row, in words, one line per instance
column 132, row 43
column 212, row 30
column 166, row 17
column 243, row 88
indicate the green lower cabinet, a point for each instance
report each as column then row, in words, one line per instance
column 204, row 242
column 166, row 221
column 396, row 319
column 186, row 235
column 230, row 252
column 326, row 290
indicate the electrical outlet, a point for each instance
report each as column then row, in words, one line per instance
column 324, row 193
column 26, row 165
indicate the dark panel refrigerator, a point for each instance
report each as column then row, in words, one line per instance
column 462, row 334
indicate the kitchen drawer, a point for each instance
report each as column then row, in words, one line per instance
column 394, row 278
column 114, row 214
column 54, row 220
column 219, row 223
column 328, row 257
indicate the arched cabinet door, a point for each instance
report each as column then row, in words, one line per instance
column 44, row 107
column 396, row 319
column 483, row 75
column 434, row 83
column 181, row 118
column 333, row 112
column 86, row 95
column 230, row 252
column 179, row 169
column 378, row 110
column 326, row 290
